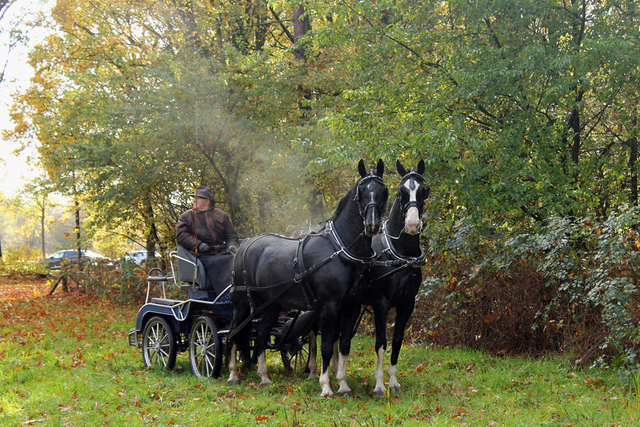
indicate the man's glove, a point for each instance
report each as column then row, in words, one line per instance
column 203, row 248
column 233, row 250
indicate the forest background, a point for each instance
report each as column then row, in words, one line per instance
column 525, row 112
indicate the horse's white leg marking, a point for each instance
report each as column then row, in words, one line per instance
column 325, row 384
column 262, row 370
column 334, row 359
column 379, row 374
column 342, row 375
column 233, row 366
column 313, row 356
column 393, row 378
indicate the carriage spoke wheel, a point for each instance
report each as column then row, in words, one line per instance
column 205, row 348
column 159, row 346
column 297, row 359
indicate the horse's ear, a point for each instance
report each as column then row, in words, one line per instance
column 401, row 170
column 362, row 169
column 380, row 168
column 421, row 167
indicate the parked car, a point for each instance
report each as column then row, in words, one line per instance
column 54, row 262
column 138, row 257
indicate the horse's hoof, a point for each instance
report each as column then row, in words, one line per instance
column 395, row 388
column 265, row 383
column 232, row 382
column 379, row 393
column 345, row 393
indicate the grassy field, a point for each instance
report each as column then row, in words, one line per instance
column 65, row 360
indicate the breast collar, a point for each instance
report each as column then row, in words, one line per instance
column 395, row 255
column 342, row 249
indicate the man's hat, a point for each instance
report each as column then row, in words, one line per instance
column 203, row 192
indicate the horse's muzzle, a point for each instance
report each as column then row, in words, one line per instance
column 413, row 222
column 372, row 229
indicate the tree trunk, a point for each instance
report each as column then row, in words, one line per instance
column 300, row 28
column 42, row 214
column 151, row 231
column 78, row 245
column 633, row 161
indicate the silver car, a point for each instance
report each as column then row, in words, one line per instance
column 54, row 262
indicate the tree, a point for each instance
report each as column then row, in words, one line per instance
column 39, row 191
column 133, row 109
column 512, row 103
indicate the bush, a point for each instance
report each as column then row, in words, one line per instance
column 20, row 262
column 570, row 286
column 126, row 285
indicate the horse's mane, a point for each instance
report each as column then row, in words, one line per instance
column 344, row 201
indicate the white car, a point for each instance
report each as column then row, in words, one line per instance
column 138, row 257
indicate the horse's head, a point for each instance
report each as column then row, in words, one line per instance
column 371, row 195
column 412, row 194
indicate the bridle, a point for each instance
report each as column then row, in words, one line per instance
column 412, row 203
column 372, row 204
column 396, row 259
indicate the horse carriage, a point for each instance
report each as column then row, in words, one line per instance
column 321, row 282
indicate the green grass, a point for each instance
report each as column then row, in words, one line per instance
column 65, row 360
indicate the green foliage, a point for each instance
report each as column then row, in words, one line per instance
column 570, row 285
column 512, row 104
column 21, row 261
column 125, row 285
column 133, row 109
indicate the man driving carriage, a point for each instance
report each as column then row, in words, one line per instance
column 206, row 231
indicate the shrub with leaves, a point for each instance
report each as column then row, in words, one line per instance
column 21, row 260
column 570, row 285
column 125, row 285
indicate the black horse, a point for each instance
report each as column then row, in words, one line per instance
column 395, row 275
column 322, row 272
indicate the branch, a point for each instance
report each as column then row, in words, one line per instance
column 493, row 33
column 284, row 28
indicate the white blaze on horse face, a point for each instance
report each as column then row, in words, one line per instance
column 412, row 221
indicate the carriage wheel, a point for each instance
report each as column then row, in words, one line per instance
column 297, row 359
column 205, row 348
column 159, row 344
